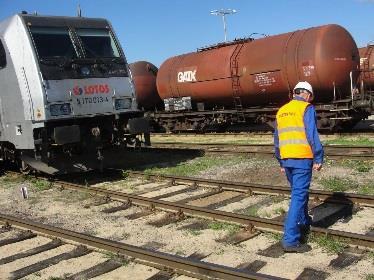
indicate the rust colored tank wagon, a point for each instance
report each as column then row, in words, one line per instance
column 264, row 71
column 144, row 76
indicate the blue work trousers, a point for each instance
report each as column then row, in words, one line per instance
column 297, row 216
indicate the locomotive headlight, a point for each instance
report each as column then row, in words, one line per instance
column 120, row 104
column 60, row 109
column 85, row 71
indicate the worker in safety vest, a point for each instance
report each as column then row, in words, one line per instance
column 299, row 152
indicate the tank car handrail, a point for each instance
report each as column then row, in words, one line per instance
column 225, row 44
column 351, row 79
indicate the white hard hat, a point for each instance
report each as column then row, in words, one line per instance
column 304, row 85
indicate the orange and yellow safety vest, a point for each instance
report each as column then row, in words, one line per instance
column 293, row 142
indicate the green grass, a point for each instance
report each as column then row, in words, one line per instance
column 125, row 174
column 369, row 277
column 10, row 180
column 110, row 255
column 336, row 184
column 274, row 235
column 371, row 256
column 180, row 252
column 231, row 228
column 358, row 165
column 40, row 184
column 280, row 211
column 367, row 189
column 195, row 166
column 329, row 244
column 361, row 141
column 251, row 210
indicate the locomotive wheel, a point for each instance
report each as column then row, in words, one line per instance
column 24, row 168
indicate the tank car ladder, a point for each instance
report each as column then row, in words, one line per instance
column 366, row 63
column 234, row 68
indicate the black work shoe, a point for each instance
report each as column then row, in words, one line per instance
column 304, row 234
column 300, row 248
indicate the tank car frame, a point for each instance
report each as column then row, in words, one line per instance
column 66, row 93
column 337, row 115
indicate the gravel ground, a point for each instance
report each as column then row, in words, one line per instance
column 76, row 211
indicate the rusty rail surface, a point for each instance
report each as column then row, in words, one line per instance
column 367, row 132
column 176, row 264
column 318, row 195
column 250, row 222
column 331, row 151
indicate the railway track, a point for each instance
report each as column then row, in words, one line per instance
column 331, row 151
column 251, row 223
column 358, row 133
column 251, row 188
column 143, row 198
column 170, row 263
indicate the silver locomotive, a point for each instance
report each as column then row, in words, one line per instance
column 66, row 93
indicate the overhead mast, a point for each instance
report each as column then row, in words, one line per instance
column 79, row 11
column 223, row 13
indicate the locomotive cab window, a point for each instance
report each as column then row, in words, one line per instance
column 2, row 56
column 53, row 42
column 98, row 43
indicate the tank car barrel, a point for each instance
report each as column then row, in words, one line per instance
column 263, row 71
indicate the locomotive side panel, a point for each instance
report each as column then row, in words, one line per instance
column 18, row 86
column 66, row 93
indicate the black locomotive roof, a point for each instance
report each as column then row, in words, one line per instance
column 57, row 21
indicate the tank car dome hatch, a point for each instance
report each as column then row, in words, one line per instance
column 264, row 71
column 144, row 75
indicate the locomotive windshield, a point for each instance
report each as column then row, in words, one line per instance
column 53, row 42
column 75, row 52
column 97, row 43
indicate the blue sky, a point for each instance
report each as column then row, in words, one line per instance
column 154, row 30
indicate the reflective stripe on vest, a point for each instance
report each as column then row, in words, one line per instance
column 293, row 142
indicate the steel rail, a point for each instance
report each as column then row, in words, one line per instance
column 247, row 221
column 177, row 264
column 318, row 195
column 332, row 151
column 257, row 133
column 330, row 146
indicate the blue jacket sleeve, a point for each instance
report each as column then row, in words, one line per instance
column 310, row 122
column 276, row 144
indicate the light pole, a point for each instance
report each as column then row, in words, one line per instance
column 223, row 13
